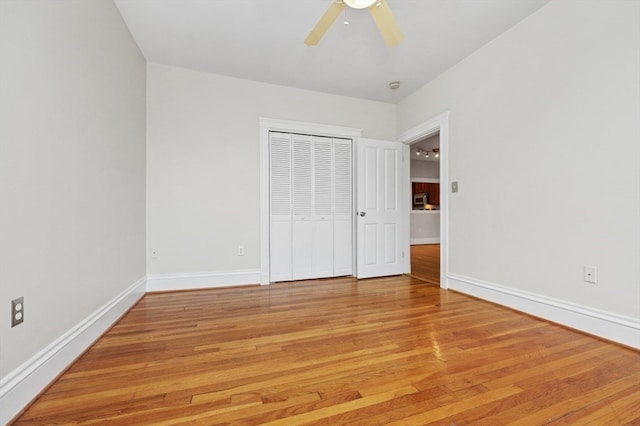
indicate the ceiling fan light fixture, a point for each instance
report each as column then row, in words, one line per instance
column 359, row 4
column 379, row 10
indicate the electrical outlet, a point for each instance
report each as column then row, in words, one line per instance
column 17, row 311
column 240, row 250
column 590, row 274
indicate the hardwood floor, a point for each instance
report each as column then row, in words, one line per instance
column 340, row 351
column 425, row 262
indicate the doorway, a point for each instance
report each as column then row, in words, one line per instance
column 425, row 262
column 436, row 251
column 424, row 171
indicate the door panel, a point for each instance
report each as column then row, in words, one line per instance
column 371, row 181
column 380, row 212
column 390, row 179
column 371, row 243
column 280, row 250
column 302, row 253
column 280, row 206
column 323, row 204
column 343, row 210
column 342, row 247
column 390, row 243
column 323, row 247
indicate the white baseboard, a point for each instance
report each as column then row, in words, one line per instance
column 191, row 281
column 429, row 240
column 614, row 327
column 23, row 384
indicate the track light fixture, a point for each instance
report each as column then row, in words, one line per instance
column 426, row 152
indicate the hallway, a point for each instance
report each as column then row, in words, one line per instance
column 425, row 262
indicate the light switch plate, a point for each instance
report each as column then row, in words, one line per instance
column 454, row 186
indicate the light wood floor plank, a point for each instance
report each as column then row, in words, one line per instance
column 340, row 351
column 425, row 262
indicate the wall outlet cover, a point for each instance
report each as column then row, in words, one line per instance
column 17, row 311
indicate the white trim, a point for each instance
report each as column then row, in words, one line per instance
column 315, row 129
column 618, row 328
column 427, row 212
column 425, row 180
column 275, row 125
column 428, row 240
column 199, row 280
column 23, row 384
column 439, row 123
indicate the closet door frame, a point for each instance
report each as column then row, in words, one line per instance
column 275, row 125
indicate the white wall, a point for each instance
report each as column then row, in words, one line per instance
column 543, row 137
column 425, row 169
column 72, row 168
column 203, row 161
column 425, row 227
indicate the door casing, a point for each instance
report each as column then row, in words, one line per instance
column 437, row 124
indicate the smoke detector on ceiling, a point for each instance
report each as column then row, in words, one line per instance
column 394, row 85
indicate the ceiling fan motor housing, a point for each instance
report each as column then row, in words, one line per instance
column 359, row 4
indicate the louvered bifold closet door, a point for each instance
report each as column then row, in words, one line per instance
column 343, row 208
column 280, row 195
column 311, row 207
column 302, row 237
column 322, row 207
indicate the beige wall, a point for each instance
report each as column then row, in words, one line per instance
column 544, row 130
column 72, row 167
column 204, row 161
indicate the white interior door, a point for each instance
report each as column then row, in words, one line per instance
column 380, row 208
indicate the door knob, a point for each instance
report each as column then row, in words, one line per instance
column 363, row 213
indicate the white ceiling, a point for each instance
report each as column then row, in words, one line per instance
column 262, row 40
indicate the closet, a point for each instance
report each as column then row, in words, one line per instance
column 310, row 191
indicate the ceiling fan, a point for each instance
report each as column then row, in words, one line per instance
column 380, row 12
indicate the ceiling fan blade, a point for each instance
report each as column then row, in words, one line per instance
column 324, row 23
column 386, row 23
